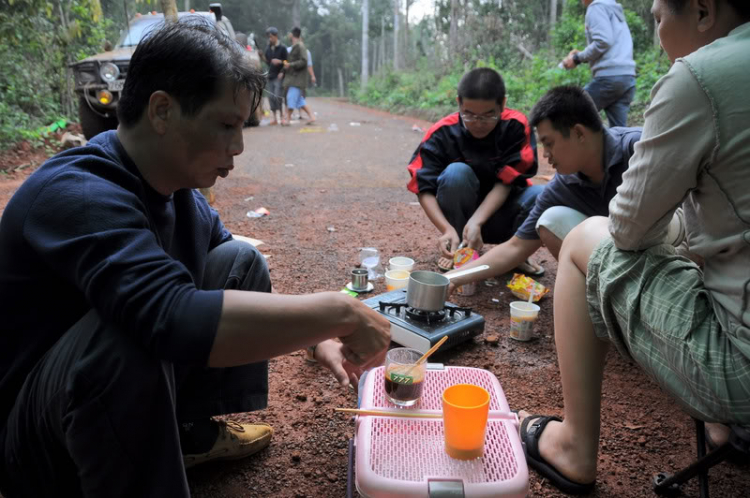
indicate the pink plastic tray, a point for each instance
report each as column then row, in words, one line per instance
column 405, row 457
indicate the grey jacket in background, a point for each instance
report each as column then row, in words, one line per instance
column 610, row 46
column 695, row 153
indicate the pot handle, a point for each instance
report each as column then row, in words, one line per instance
column 461, row 273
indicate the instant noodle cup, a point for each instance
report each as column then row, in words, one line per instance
column 522, row 317
column 522, row 287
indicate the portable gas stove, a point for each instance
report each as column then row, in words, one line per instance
column 420, row 329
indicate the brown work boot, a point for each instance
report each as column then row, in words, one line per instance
column 235, row 441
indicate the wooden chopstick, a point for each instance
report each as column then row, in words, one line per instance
column 431, row 350
column 389, row 413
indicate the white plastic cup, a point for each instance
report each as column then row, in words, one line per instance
column 396, row 279
column 522, row 317
column 401, row 263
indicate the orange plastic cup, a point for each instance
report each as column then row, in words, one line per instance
column 465, row 411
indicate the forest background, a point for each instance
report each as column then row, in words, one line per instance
column 395, row 63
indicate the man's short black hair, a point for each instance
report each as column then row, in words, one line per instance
column 482, row 83
column 565, row 107
column 188, row 60
column 296, row 32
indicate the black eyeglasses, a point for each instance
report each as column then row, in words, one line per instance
column 473, row 118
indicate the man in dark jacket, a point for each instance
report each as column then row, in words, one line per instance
column 154, row 318
column 471, row 171
column 275, row 56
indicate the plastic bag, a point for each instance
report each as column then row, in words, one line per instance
column 522, row 286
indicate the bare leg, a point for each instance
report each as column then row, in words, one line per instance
column 571, row 446
column 719, row 433
column 310, row 116
column 551, row 242
column 288, row 117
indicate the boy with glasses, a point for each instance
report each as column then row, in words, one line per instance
column 471, row 171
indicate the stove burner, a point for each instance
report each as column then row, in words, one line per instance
column 421, row 315
column 425, row 316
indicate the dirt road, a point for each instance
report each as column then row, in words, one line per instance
column 339, row 186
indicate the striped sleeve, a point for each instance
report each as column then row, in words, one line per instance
column 518, row 162
column 428, row 162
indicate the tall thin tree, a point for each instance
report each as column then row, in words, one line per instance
column 552, row 13
column 453, row 33
column 169, row 7
column 396, row 8
column 365, row 43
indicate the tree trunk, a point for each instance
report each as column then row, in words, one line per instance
column 657, row 41
column 365, row 43
column 453, row 33
column 169, row 7
column 296, row 16
column 407, row 45
column 552, row 14
column 341, row 82
column 382, row 43
column 187, row 5
column 396, row 6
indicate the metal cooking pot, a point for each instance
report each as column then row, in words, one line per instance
column 427, row 290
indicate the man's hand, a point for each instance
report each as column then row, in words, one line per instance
column 280, row 76
column 473, row 235
column 330, row 354
column 314, row 81
column 276, row 62
column 568, row 62
column 367, row 344
column 451, row 288
column 448, row 242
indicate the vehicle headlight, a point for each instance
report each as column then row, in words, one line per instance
column 109, row 72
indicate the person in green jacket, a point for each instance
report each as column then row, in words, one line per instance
column 295, row 75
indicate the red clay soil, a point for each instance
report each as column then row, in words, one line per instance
column 643, row 431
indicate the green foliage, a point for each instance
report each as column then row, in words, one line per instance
column 36, row 47
column 569, row 32
column 650, row 66
column 433, row 87
column 526, row 84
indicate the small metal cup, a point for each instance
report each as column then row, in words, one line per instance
column 359, row 279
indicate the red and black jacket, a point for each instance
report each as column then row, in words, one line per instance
column 506, row 155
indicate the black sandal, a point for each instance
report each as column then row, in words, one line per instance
column 531, row 430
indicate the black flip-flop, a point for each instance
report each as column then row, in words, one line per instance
column 530, row 442
column 531, row 273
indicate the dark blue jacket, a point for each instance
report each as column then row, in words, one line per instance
column 86, row 231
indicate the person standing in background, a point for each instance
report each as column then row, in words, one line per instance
column 275, row 56
column 313, row 81
column 610, row 54
column 295, row 75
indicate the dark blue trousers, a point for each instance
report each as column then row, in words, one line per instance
column 459, row 196
column 99, row 416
